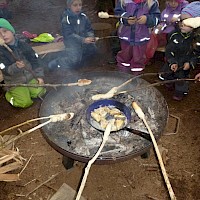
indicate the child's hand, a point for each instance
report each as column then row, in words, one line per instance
column 197, row 76
column 174, row 67
column 142, row 19
column 40, row 81
column 186, row 66
column 20, row 64
column 174, row 19
column 89, row 40
column 132, row 20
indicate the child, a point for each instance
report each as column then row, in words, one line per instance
column 18, row 71
column 179, row 53
column 134, row 31
column 169, row 18
column 78, row 37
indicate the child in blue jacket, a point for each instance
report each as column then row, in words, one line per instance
column 134, row 31
column 78, row 37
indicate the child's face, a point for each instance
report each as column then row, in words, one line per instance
column 183, row 27
column 7, row 36
column 76, row 6
column 172, row 3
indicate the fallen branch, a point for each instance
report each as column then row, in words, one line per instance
column 26, row 165
column 52, row 177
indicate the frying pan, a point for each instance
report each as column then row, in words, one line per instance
column 112, row 104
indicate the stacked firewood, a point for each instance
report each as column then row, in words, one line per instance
column 10, row 162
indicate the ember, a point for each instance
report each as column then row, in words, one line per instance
column 77, row 138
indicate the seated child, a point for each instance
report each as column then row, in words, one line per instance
column 19, row 71
column 179, row 53
column 78, row 37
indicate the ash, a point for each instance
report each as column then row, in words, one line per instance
column 79, row 137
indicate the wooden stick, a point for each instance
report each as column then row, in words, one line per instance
column 105, row 15
column 111, row 92
column 36, row 119
column 52, row 177
column 53, row 118
column 80, row 82
column 26, row 165
column 141, row 115
column 155, row 84
column 16, row 59
column 87, row 169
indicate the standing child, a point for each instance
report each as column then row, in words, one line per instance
column 78, row 36
column 19, row 71
column 169, row 18
column 134, row 31
column 179, row 53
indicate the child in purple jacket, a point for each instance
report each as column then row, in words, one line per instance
column 169, row 18
column 134, row 31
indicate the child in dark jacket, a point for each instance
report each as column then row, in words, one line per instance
column 17, row 69
column 78, row 36
column 179, row 54
column 134, row 31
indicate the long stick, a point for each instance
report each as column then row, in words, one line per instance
column 53, row 118
column 87, row 169
column 14, row 56
column 158, row 83
column 80, row 82
column 141, row 115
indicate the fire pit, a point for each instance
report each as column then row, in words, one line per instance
column 78, row 140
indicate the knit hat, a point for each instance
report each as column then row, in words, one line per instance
column 192, row 9
column 6, row 24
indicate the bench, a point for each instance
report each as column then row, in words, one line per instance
column 49, row 48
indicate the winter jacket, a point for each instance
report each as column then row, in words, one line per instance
column 168, row 13
column 179, row 48
column 11, row 73
column 137, row 34
column 75, row 27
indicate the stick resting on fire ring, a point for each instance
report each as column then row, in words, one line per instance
column 111, row 92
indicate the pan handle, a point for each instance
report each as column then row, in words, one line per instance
column 139, row 133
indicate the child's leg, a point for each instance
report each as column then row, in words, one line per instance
column 19, row 97
column 36, row 92
column 182, row 86
column 124, row 56
column 138, row 58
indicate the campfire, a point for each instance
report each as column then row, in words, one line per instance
column 79, row 140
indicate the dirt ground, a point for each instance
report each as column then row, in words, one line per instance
column 128, row 180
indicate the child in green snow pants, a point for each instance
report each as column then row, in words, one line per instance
column 22, row 96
